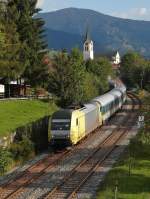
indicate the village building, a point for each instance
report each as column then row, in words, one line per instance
column 88, row 48
column 116, row 59
column 88, row 52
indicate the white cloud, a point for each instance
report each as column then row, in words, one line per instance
column 134, row 13
column 40, row 3
column 139, row 12
column 53, row 5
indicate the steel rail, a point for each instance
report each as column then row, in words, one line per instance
column 54, row 190
column 32, row 178
column 62, row 156
column 73, row 194
column 27, row 172
column 100, row 163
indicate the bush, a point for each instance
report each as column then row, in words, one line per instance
column 22, row 150
column 5, row 160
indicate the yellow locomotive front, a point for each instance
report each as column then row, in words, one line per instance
column 71, row 125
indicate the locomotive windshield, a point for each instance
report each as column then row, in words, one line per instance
column 61, row 120
column 58, row 124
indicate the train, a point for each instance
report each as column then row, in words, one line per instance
column 73, row 124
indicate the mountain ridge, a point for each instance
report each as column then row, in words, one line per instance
column 107, row 32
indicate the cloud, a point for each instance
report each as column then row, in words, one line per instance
column 139, row 12
column 52, row 5
column 134, row 13
column 40, row 3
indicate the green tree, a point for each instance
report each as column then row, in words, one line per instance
column 146, row 80
column 90, row 89
column 134, row 70
column 30, row 31
column 2, row 37
column 5, row 160
column 66, row 79
column 11, row 65
column 22, row 150
column 101, row 69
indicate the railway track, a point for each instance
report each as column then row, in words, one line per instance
column 69, row 187
column 101, row 169
column 15, row 186
column 28, row 176
column 85, row 166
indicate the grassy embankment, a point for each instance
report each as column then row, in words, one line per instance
column 132, row 183
column 14, row 114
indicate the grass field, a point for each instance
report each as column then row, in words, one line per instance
column 14, row 114
column 134, row 185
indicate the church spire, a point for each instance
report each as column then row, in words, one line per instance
column 87, row 36
column 88, row 52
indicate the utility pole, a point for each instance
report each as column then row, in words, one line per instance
column 116, row 190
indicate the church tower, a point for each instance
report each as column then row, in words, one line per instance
column 88, row 52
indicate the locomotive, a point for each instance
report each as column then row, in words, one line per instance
column 73, row 124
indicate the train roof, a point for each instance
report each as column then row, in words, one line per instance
column 110, row 96
column 88, row 108
column 116, row 92
column 104, row 99
column 67, row 113
column 121, row 88
column 62, row 114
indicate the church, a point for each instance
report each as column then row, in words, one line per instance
column 88, row 52
column 88, row 49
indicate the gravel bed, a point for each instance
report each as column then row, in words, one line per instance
column 89, row 190
column 14, row 173
column 54, row 176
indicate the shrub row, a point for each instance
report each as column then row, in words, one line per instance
column 17, row 152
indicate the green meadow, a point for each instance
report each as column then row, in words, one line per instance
column 132, row 173
column 134, row 185
column 14, row 114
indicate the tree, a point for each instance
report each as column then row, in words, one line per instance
column 134, row 70
column 2, row 37
column 69, row 80
column 30, row 30
column 11, row 66
column 5, row 160
column 90, row 89
column 66, row 79
column 101, row 69
column 146, row 80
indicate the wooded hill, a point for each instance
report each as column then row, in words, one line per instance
column 68, row 30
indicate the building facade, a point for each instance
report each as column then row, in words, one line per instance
column 116, row 59
column 88, row 48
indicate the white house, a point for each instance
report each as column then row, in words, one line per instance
column 88, row 51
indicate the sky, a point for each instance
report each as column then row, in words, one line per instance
column 132, row 9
